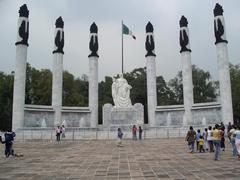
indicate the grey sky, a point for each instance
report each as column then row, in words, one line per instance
column 78, row 15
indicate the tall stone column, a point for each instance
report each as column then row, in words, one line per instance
column 93, row 76
column 20, row 69
column 151, row 75
column 223, row 65
column 186, row 70
column 57, row 72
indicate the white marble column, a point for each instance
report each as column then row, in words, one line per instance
column 151, row 75
column 93, row 76
column 57, row 72
column 186, row 70
column 93, row 90
column 20, row 69
column 223, row 65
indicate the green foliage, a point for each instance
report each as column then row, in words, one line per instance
column 235, row 84
column 6, row 99
column 203, row 86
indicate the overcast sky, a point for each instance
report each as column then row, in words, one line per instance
column 78, row 15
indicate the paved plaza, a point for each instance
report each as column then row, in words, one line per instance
column 100, row 160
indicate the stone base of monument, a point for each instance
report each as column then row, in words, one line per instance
column 124, row 118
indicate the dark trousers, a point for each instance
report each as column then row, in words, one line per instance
column 8, row 148
column 201, row 149
column 58, row 136
column 210, row 143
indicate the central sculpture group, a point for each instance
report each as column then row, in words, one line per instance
column 121, row 93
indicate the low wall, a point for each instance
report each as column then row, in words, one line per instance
column 203, row 114
column 43, row 116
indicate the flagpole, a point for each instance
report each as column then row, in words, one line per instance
column 122, row 47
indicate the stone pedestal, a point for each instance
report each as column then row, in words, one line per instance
column 93, row 90
column 151, row 89
column 57, row 87
column 224, row 82
column 123, row 118
column 187, row 85
column 19, row 87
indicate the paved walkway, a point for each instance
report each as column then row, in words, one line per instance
column 100, row 160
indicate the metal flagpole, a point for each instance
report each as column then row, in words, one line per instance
column 122, row 47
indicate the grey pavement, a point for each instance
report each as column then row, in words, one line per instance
column 102, row 160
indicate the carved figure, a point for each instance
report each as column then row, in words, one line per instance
column 93, row 44
column 183, row 37
column 59, row 38
column 149, row 44
column 121, row 93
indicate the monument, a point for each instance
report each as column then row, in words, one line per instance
column 123, row 114
column 162, row 120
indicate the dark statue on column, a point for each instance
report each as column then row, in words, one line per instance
column 23, row 30
column 218, row 24
column 149, row 44
column 93, row 44
column 183, row 37
column 59, row 38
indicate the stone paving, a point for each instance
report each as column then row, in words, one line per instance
column 100, row 160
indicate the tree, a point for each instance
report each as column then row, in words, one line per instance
column 6, row 100
column 177, row 88
column 235, row 79
column 204, row 88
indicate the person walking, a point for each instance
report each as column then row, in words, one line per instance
column 231, row 136
column 120, row 136
column 209, row 139
column 197, row 138
column 217, row 134
column 140, row 130
column 190, row 138
column 9, row 138
column 58, row 133
column 63, row 131
column 237, row 140
column 205, row 135
column 222, row 138
column 200, row 144
column 134, row 132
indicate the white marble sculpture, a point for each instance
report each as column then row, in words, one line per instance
column 121, row 93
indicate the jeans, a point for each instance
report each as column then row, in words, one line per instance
column 234, row 148
column 191, row 145
column 140, row 136
column 216, row 144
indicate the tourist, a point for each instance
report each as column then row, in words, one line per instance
column 237, row 140
column 134, row 132
column 209, row 139
column 197, row 138
column 58, row 133
column 205, row 134
column 190, row 138
column 200, row 144
column 120, row 136
column 231, row 136
column 9, row 138
column 217, row 134
column 140, row 132
column 222, row 138
column 63, row 131
column 230, row 126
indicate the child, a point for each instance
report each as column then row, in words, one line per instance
column 201, row 143
column 120, row 136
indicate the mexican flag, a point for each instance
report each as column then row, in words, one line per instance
column 125, row 30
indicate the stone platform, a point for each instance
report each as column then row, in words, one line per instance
column 124, row 118
column 103, row 160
